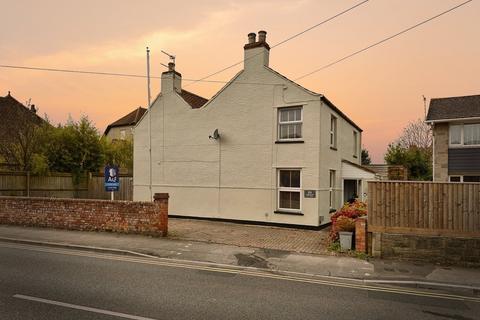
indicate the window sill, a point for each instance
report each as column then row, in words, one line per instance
column 288, row 212
column 333, row 148
column 289, row 141
column 463, row 146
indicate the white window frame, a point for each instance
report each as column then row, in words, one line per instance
column 460, row 176
column 280, row 122
column 331, row 187
column 279, row 188
column 123, row 134
column 333, row 131
column 456, row 176
column 462, row 136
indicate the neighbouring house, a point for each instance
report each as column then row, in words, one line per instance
column 16, row 125
column 455, row 123
column 388, row 171
column 262, row 149
column 122, row 129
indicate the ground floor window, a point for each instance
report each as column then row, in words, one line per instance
column 464, row 178
column 332, row 188
column 289, row 189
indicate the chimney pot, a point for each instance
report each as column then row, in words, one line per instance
column 251, row 37
column 262, row 36
column 171, row 66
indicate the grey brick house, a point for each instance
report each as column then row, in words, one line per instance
column 455, row 123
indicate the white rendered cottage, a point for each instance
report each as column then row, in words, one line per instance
column 278, row 157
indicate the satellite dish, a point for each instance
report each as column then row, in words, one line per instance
column 215, row 135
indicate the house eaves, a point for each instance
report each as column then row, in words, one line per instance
column 322, row 98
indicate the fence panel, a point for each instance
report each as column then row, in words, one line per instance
column 427, row 208
column 61, row 185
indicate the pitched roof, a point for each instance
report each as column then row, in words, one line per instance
column 194, row 100
column 454, row 108
column 322, row 97
column 13, row 115
column 359, row 166
column 128, row 120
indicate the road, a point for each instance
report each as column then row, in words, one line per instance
column 46, row 283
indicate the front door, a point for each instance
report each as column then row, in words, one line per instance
column 350, row 190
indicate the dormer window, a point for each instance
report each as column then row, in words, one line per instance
column 290, row 123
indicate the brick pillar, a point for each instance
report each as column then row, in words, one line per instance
column 162, row 200
column 361, row 234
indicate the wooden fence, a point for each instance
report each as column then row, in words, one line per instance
column 61, row 185
column 424, row 208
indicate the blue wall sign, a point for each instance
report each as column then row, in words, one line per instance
column 112, row 180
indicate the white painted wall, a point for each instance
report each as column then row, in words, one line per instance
column 236, row 177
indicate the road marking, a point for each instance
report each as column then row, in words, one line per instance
column 83, row 308
column 246, row 272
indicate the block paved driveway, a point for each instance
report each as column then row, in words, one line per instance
column 266, row 237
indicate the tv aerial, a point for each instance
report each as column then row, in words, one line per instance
column 170, row 56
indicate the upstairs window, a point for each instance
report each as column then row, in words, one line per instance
column 467, row 134
column 333, row 132
column 471, row 134
column 455, row 134
column 123, row 134
column 355, row 144
column 289, row 189
column 290, row 123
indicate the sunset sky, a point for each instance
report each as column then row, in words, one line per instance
column 380, row 89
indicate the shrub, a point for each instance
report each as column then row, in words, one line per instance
column 345, row 223
column 350, row 210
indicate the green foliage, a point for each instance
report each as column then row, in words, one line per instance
column 74, row 148
column 366, row 157
column 39, row 165
column 413, row 150
column 416, row 160
column 24, row 145
column 119, row 152
column 334, row 246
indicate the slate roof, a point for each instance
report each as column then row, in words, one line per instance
column 14, row 114
column 195, row 101
column 129, row 120
column 454, row 108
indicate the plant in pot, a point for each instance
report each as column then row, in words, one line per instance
column 345, row 227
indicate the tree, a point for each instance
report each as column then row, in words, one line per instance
column 416, row 134
column 416, row 160
column 119, row 152
column 74, row 148
column 23, row 148
column 413, row 150
column 366, row 157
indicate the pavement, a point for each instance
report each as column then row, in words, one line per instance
column 244, row 235
column 257, row 252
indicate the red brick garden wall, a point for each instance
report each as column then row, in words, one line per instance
column 149, row 218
